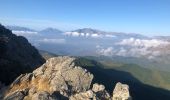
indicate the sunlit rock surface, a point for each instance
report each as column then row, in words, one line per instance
column 59, row 79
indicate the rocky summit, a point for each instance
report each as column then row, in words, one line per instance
column 60, row 79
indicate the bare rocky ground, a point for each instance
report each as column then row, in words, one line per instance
column 60, row 79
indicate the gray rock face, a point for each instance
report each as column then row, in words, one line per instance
column 17, row 56
column 88, row 95
column 17, row 95
column 64, row 76
column 100, row 92
column 58, row 79
column 97, row 87
column 58, row 74
column 42, row 96
column 121, row 92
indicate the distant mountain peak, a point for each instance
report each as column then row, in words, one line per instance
column 88, row 30
column 19, row 28
column 50, row 30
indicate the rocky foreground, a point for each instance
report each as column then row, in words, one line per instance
column 60, row 79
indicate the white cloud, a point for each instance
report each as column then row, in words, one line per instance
column 92, row 35
column 121, row 52
column 109, row 36
column 23, row 33
column 54, row 41
column 136, row 48
column 96, row 36
column 82, row 34
column 67, row 33
column 106, row 52
column 125, row 52
column 143, row 42
column 75, row 34
column 87, row 34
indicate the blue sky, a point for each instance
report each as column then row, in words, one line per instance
column 148, row 17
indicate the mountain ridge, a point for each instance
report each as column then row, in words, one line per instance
column 17, row 56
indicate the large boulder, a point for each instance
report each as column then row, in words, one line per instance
column 87, row 95
column 100, row 92
column 17, row 56
column 17, row 95
column 58, row 79
column 121, row 92
column 58, row 74
column 97, row 92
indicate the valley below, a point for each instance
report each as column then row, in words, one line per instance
column 140, row 80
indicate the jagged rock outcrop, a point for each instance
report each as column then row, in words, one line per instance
column 100, row 92
column 121, row 92
column 87, row 95
column 58, row 79
column 17, row 56
column 97, row 92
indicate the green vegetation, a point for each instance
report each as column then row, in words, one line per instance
column 46, row 55
column 150, row 76
column 140, row 80
column 144, row 83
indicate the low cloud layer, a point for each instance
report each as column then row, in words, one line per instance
column 24, row 33
column 92, row 35
column 115, row 45
column 135, row 48
column 54, row 41
column 143, row 42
